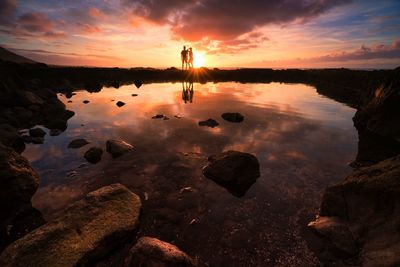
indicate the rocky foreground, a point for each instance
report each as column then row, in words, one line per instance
column 359, row 216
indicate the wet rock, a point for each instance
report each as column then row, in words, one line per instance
column 234, row 170
column 69, row 95
column 81, row 234
column 233, row 117
column 210, row 123
column 165, row 118
column 85, row 101
column 367, row 201
column 19, row 182
column 152, row 252
column 55, row 132
column 134, row 94
column 137, row 83
column 93, row 87
column 120, row 104
column 37, row 132
column 93, row 155
column 10, row 136
column 69, row 101
column 77, row 143
column 117, row 147
column 337, row 232
column 37, row 140
column 158, row 116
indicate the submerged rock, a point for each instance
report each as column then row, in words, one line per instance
column 210, row 123
column 134, row 94
column 120, row 104
column 77, row 143
column 84, row 232
column 233, row 117
column 37, row 132
column 367, row 202
column 86, row 101
column 117, row 147
column 93, row 155
column 152, row 252
column 234, row 170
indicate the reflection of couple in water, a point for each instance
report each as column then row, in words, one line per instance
column 187, row 58
column 187, row 91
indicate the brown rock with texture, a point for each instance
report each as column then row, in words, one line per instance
column 85, row 231
column 152, row 252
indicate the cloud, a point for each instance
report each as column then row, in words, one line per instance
column 380, row 51
column 194, row 20
column 34, row 22
column 7, row 8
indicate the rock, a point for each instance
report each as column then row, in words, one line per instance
column 69, row 95
column 37, row 140
column 55, row 132
column 69, row 101
column 120, row 104
column 93, row 87
column 37, row 132
column 367, row 201
column 134, row 94
column 84, row 232
column 337, row 232
column 165, row 118
column 233, row 117
column 10, row 136
column 152, row 252
column 158, row 116
column 138, row 83
column 77, row 143
column 19, row 181
column 234, row 170
column 93, row 155
column 86, row 101
column 117, row 147
column 210, row 123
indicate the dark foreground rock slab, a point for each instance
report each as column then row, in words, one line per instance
column 234, row 170
column 117, row 147
column 368, row 201
column 93, row 155
column 77, row 143
column 152, row 252
column 210, row 123
column 18, row 183
column 86, row 231
column 233, row 117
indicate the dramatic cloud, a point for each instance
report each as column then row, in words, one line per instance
column 35, row 22
column 226, row 20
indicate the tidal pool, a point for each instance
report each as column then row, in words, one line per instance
column 302, row 140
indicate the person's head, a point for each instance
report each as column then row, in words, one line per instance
column 184, row 47
column 190, row 49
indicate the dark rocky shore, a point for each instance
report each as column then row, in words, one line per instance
column 359, row 216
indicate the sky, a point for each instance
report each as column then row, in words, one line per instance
column 224, row 34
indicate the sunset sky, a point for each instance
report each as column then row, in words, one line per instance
column 250, row 33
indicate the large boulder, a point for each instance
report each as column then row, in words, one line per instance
column 234, row 170
column 152, row 252
column 117, row 147
column 18, row 183
column 84, row 232
column 93, row 155
column 233, row 117
column 367, row 202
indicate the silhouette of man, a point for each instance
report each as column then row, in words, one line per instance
column 190, row 58
column 184, row 58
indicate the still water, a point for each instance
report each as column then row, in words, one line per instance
column 302, row 140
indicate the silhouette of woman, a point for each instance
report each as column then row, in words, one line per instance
column 190, row 58
column 184, row 58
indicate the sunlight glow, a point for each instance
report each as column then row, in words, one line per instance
column 199, row 59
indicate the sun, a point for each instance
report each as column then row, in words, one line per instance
column 199, row 59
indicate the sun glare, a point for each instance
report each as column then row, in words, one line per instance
column 199, row 59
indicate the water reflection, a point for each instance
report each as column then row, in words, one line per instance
column 187, row 91
column 301, row 139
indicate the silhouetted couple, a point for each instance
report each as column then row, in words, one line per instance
column 187, row 58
